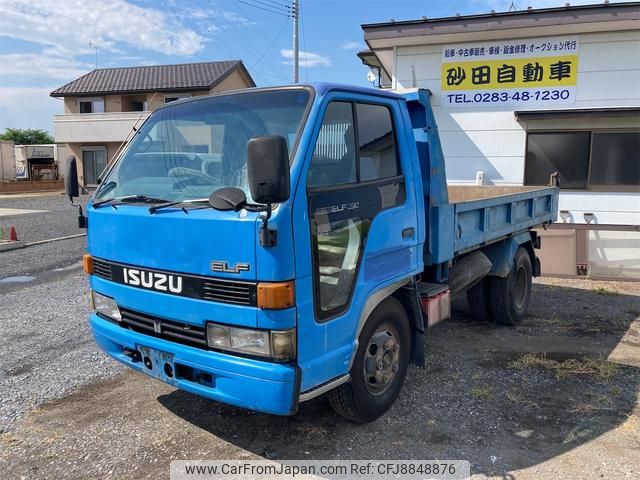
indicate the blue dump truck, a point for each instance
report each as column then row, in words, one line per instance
column 266, row 246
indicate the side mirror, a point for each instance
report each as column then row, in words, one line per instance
column 268, row 169
column 71, row 179
column 72, row 189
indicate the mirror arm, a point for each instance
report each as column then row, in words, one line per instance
column 82, row 220
column 268, row 236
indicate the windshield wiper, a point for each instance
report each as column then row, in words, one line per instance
column 160, row 206
column 128, row 199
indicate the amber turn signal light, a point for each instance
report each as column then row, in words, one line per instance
column 87, row 263
column 275, row 296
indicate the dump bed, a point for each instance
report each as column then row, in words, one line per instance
column 486, row 214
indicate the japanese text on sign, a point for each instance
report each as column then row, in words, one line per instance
column 516, row 72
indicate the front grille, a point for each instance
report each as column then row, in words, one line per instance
column 240, row 293
column 235, row 292
column 178, row 332
column 101, row 269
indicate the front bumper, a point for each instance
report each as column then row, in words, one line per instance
column 253, row 384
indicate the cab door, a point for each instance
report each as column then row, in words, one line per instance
column 355, row 227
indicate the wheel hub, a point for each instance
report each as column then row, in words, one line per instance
column 382, row 359
column 520, row 293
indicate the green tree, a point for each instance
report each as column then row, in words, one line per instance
column 26, row 136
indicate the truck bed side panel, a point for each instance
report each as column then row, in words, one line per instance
column 487, row 220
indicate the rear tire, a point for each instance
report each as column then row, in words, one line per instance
column 510, row 296
column 479, row 301
column 379, row 367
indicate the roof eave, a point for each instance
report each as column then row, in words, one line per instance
column 528, row 23
column 464, row 18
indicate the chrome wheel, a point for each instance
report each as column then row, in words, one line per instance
column 381, row 359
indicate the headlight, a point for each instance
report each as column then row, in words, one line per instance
column 276, row 344
column 105, row 306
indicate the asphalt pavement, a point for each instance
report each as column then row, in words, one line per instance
column 54, row 217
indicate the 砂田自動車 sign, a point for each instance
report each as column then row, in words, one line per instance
column 513, row 72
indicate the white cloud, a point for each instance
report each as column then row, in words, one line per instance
column 18, row 66
column 306, row 59
column 28, row 108
column 349, row 45
column 66, row 27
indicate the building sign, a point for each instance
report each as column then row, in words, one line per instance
column 538, row 71
column 39, row 152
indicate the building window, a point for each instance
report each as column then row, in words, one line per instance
column 138, row 106
column 92, row 105
column 173, row 98
column 592, row 160
column 94, row 161
column 615, row 158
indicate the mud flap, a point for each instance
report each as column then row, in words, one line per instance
column 409, row 296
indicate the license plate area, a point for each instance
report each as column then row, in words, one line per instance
column 158, row 364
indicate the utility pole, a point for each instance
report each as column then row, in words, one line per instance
column 296, row 48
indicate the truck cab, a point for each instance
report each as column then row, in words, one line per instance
column 265, row 246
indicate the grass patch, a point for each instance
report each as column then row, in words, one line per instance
column 598, row 367
column 9, row 439
column 518, row 398
column 600, row 402
column 482, row 393
column 604, row 291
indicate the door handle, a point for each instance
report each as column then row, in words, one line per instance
column 408, row 232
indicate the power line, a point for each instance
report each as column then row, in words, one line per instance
column 230, row 24
column 257, row 55
column 222, row 44
column 277, row 6
column 284, row 14
column 177, row 39
column 286, row 23
column 285, row 5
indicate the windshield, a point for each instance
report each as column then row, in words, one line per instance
column 186, row 151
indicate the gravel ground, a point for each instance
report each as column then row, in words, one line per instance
column 46, row 348
column 469, row 402
column 60, row 219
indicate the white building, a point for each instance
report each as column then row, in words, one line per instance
column 519, row 95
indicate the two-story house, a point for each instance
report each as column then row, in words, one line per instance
column 102, row 107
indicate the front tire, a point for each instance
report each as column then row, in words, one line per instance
column 380, row 365
column 510, row 296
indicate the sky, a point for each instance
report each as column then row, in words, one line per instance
column 45, row 44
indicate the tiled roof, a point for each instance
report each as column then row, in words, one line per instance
column 187, row 76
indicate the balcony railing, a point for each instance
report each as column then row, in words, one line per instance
column 96, row 127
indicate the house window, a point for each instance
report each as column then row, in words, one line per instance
column 94, row 161
column 592, row 160
column 92, row 105
column 173, row 98
column 137, row 106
